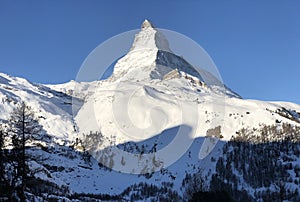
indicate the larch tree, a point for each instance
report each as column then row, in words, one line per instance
column 23, row 127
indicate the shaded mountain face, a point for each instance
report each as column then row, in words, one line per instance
column 154, row 99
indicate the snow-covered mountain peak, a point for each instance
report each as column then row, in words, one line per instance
column 147, row 24
column 150, row 57
column 149, row 38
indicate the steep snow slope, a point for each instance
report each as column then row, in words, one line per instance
column 53, row 108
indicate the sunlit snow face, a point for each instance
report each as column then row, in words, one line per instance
column 152, row 98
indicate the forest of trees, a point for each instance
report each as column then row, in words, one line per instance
column 260, row 164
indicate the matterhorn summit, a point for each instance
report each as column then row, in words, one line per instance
column 150, row 38
column 147, row 24
column 150, row 57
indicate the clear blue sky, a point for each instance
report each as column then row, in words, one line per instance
column 255, row 44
